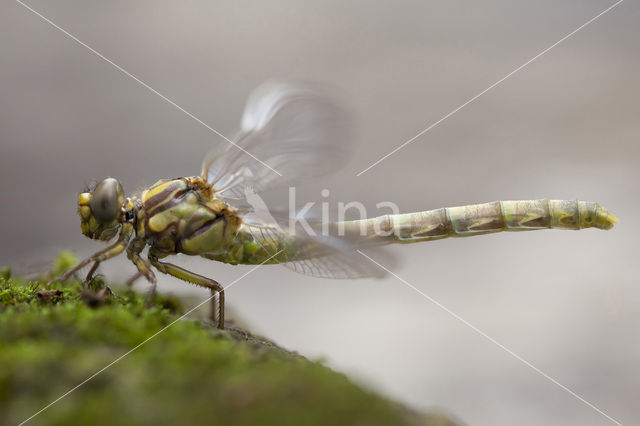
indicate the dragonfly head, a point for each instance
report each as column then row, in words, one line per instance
column 101, row 210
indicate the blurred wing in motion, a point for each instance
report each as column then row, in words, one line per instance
column 301, row 133
column 339, row 266
column 295, row 129
column 304, row 250
column 315, row 255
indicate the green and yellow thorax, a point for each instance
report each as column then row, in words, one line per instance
column 183, row 216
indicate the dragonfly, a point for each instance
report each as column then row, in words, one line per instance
column 290, row 132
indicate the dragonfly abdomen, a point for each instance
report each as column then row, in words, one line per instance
column 478, row 219
column 500, row 216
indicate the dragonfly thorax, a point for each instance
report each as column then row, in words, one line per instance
column 182, row 215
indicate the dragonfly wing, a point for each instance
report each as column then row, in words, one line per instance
column 300, row 132
column 295, row 129
column 342, row 266
column 314, row 255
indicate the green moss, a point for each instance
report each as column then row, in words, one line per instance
column 189, row 373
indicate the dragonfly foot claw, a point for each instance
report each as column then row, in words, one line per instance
column 148, row 300
column 239, row 331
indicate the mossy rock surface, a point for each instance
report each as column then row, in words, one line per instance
column 188, row 373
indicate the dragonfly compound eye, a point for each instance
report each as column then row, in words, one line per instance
column 107, row 199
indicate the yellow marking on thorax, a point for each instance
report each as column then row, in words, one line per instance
column 160, row 221
column 148, row 193
column 216, row 205
column 211, row 239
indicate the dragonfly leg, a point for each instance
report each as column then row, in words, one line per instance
column 133, row 279
column 152, row 291
column 144, row 267
column 91, row 272
column 150, row 294
column 111, row 251
column 183, row 274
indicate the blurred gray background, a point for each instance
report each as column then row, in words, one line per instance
column 566, row 126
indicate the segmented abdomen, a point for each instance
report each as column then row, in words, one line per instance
column 484, row 218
